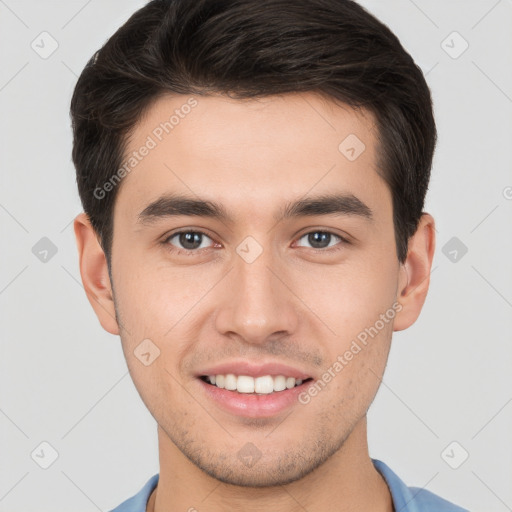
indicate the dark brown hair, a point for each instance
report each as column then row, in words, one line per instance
column 254, row 48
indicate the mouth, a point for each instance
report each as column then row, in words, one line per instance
column 248, row 385
column 263, row 389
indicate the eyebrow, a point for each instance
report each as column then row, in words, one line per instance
column 172, row 205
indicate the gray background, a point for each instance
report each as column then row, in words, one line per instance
column 64, row 381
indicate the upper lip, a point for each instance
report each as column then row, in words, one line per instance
column 253, row 369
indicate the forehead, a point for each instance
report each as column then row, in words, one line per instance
column 251, row 155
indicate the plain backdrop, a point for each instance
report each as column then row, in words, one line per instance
column 442, row 418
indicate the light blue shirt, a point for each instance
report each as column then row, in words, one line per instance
column 405, row 499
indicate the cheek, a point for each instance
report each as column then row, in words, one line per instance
column 349, row 298
column 356, row 303
column 154, row 298
column 159, row 387
column 353, row 372
column 158, row 304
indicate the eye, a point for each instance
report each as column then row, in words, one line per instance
column 322, row 239
column 188, row 241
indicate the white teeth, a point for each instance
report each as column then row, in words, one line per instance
column 230, row 382
column 218, row 381
column 246, row 384
column 263, row 384
column 279, row 383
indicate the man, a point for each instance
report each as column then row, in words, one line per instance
column 253, row 175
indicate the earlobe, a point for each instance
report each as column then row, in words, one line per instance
column 414, row 277
column 94, row 273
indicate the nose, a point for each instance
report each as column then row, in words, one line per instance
column 257, row 302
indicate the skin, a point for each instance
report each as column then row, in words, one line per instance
column 294, row 304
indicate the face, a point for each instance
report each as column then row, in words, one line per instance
column 266, row 289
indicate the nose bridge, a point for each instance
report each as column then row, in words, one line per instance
column 256, row 303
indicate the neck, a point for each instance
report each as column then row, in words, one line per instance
column 347, row 481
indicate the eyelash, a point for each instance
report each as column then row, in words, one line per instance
column 191, row 252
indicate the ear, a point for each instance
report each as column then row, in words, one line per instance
column 94, row 273
column 414, row 276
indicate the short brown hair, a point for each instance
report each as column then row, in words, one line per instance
column 251, row 48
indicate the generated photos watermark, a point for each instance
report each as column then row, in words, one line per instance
column 348, row 355
column 151, row 142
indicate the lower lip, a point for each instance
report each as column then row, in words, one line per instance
column 252, row 405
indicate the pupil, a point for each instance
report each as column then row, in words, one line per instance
column 190, row 240
column 317, row 238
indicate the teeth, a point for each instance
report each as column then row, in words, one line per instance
column 280, row 383
column 245, row 384
column 230, row 382
column 260, row 385
column 264, row 384
column 218, row 380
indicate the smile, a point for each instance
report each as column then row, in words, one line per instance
column 263, row 385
